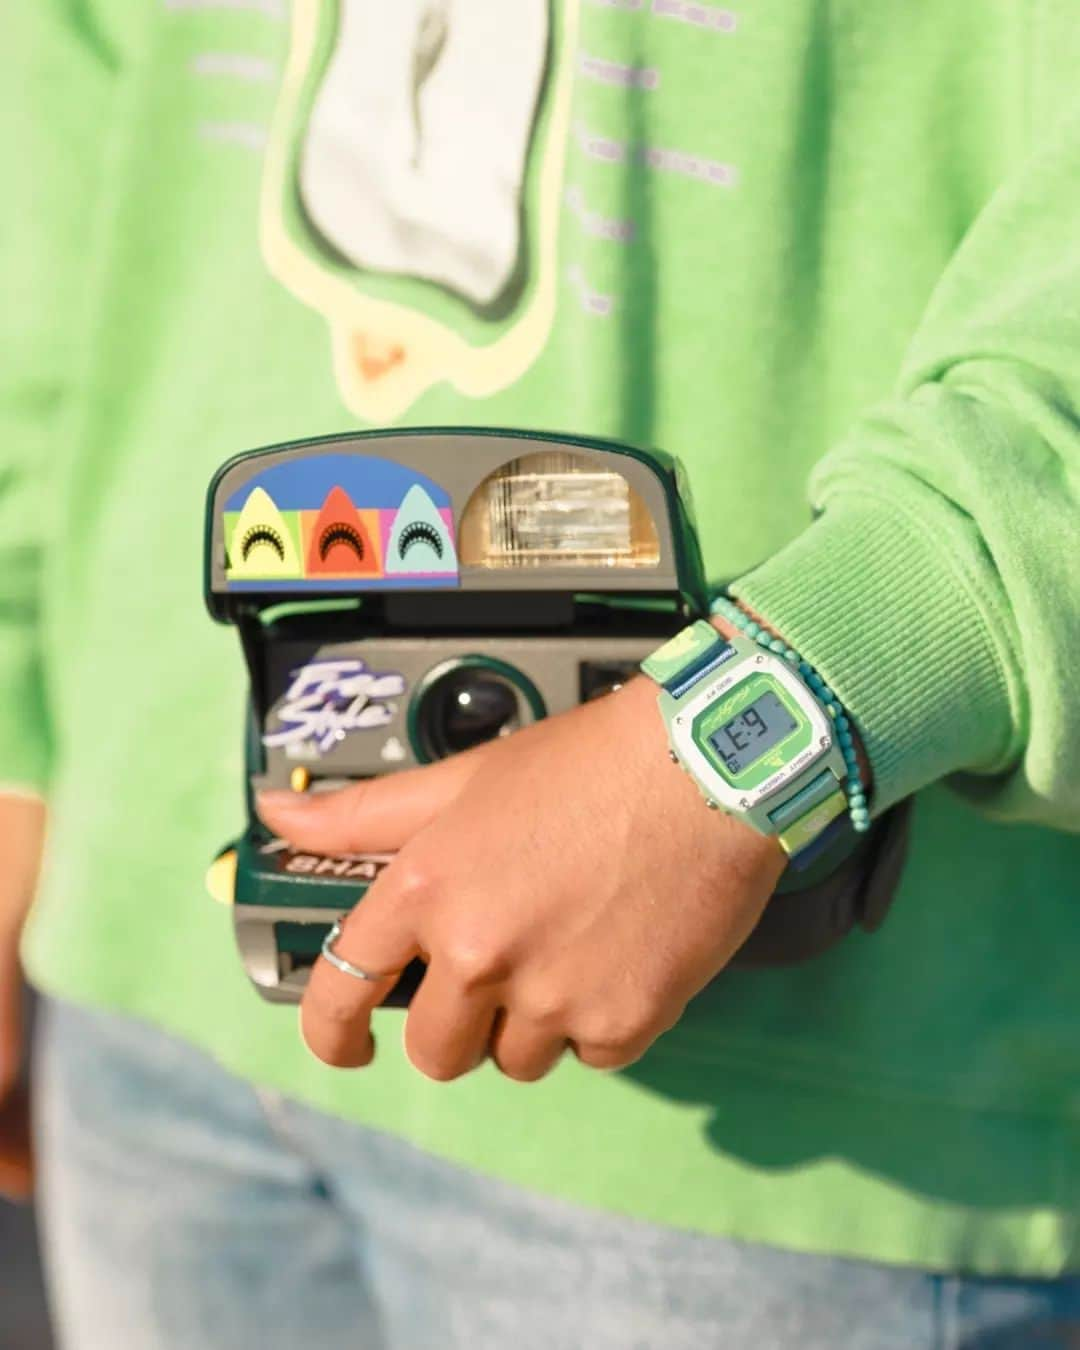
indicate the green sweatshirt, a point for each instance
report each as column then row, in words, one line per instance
column 829, row 255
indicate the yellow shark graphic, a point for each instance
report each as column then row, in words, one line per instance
column 262, row 544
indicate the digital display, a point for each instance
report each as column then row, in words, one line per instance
column 742, row 741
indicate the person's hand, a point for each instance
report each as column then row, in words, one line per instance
column 22, row 823
column 567, row 887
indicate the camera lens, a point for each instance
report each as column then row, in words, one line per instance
column 469, row 702
column 467, row 708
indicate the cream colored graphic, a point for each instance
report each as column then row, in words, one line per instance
column 414, row 158
column 406, row 136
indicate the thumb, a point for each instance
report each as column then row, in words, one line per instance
column 379, row 815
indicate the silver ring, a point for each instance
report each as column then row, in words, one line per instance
column 347, row 967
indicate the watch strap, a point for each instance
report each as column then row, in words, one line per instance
column 688, row 657
column 807, row 828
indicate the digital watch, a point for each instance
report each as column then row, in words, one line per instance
column 753, row 737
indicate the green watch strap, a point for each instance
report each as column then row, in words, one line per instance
column 690, row 655
column 811, row 824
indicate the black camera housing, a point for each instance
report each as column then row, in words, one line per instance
column 403, row 595
column 383, row 626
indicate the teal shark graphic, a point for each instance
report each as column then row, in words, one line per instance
column 419, row 541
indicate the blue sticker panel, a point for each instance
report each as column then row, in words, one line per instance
column 304, row 484
column 271, row 527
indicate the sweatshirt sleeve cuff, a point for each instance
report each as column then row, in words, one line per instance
column 872, row 599
column 24, row 742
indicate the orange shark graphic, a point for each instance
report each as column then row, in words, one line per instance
column 341, row 543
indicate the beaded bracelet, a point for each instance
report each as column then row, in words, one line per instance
column 726, row 608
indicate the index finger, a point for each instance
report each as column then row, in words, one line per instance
column 376, row 815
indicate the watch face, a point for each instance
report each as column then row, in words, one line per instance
column 756, row 729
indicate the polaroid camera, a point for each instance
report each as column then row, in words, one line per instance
column 401, row 596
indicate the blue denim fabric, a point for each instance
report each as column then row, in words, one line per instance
column 183, row 1210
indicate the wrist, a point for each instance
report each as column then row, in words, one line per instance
column 759, row 856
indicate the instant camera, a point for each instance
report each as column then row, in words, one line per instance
column 402, row 596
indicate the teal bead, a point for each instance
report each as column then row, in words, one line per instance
column 857, row 799
column 805, row 669
column 861, row 826
column 854, row 783
column 859, row 813
column 841, row 721
column 778, row 645
column 826, row 693
column 844, row 737
column 750, row 628
column 791, row 657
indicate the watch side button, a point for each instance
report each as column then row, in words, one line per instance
column 673, row 756
column 712, row 804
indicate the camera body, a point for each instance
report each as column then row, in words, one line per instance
column 401, row 596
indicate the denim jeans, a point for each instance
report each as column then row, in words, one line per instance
column 184, row 1210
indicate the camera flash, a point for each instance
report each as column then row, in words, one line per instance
column 557, row 509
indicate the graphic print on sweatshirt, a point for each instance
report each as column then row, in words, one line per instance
column 410, row 143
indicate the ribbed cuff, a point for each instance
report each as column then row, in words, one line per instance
column 24, row 742
column 872, row 599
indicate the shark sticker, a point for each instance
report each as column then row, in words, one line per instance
column 339, row 521
column 262, row 542
column 341, row 542
column 419, row 543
